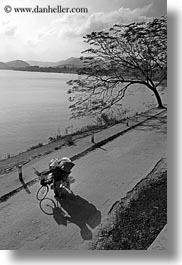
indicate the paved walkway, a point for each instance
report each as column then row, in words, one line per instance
column 10, row 181
column 102, row 177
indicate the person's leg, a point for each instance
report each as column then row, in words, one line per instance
column 66, row 181
column 56, row 186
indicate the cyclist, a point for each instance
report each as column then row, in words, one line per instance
column 60, row 170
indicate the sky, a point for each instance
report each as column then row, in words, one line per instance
column 58, row 36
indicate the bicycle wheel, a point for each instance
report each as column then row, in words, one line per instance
column 47, row 206
column 42, row 192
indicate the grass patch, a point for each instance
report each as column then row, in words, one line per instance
column 138, row 218
column 35, row 146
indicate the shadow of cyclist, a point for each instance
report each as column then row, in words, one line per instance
column 79, row 211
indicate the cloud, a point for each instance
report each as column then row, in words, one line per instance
column 11, row 31
column 8, row 28
column 100, row 21
column 79, row 25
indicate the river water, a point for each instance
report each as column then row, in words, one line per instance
column 35, row 106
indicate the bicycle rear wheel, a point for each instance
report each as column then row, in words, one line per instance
column 47, row 206
column 42, row 192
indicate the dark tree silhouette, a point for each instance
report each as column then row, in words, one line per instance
column 124, row 55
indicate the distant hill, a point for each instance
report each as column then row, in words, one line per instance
column 42, row 64
column 17, row 64
column 70, row 65
column 70, row 62
column 3, row 66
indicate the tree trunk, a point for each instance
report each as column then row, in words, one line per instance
column 159, row 100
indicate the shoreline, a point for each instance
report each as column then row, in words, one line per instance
column 10, row 164
column 82, row 147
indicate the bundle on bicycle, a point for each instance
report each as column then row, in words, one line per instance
column 57, row 176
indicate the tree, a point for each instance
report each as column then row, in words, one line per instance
column 124, row 55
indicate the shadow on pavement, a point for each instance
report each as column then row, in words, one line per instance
column 159, row 125
column 79, row 211
column 25, row 186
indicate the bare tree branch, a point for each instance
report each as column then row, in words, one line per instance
column 118, row 58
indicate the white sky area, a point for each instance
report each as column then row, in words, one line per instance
column 54, row 37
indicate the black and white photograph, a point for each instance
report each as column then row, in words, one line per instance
column 83, row 125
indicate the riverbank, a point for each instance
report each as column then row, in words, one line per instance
column 81, row 147
column 9, row 164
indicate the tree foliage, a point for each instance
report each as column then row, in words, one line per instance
column 118, row 58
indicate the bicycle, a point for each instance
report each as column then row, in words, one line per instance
column 46, row 204
column 44, row 188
